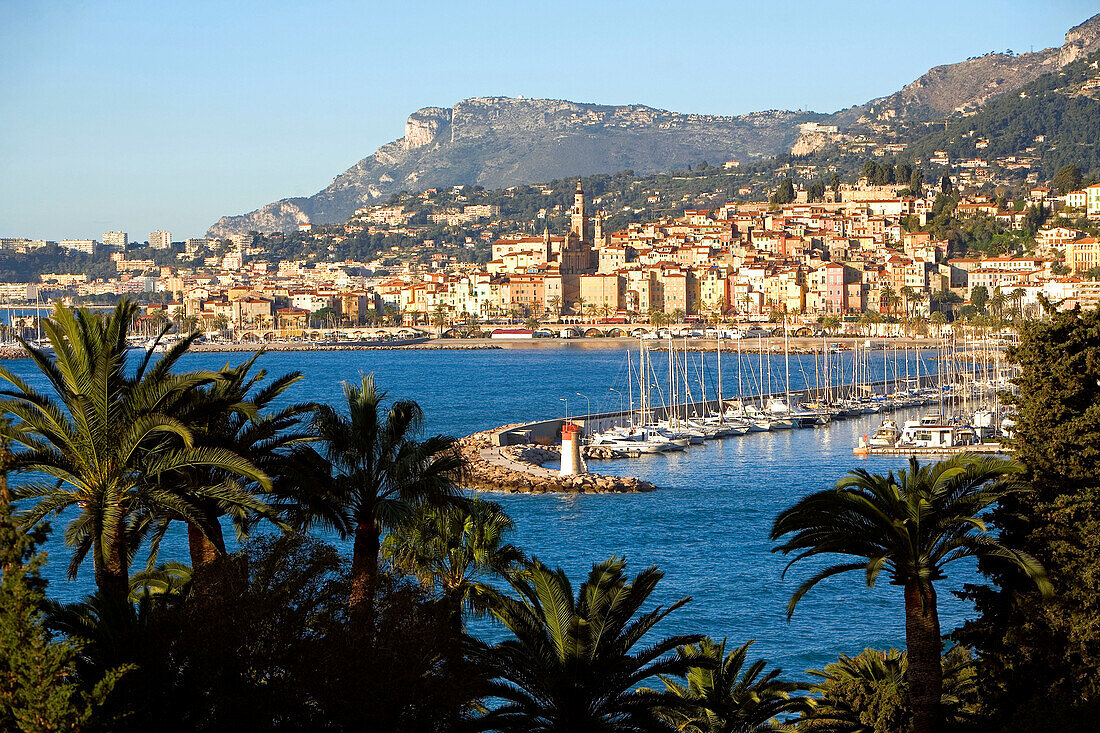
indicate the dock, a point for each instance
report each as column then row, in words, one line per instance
column 992, row 449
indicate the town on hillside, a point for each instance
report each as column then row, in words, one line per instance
column 868, row 250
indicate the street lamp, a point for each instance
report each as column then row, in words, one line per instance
column 566, row 401
column 587, row 414
column 620, row 399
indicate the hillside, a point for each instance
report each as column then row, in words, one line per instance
column 497, row 142
column 1054, row 120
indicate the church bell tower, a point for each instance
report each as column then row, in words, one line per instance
column 579, row 218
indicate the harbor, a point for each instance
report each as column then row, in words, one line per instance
column 949, row 402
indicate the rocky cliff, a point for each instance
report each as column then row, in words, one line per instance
column 497, row 141
column 971, row 83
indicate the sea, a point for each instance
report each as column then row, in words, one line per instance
column 705, row 527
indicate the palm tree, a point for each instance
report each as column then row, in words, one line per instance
column 873, row 685
column 913, row 525
column 572, row 664
column 724, row 697
column 746, row 303
column 555, row 306
column 887, row 299
column 379, row 473
column 908, row 295
column 235, row 414
column 997, row 303
column 456, row 548
column 1017, row 296
column 220, row 322
column 439, row 319
column 107, row 440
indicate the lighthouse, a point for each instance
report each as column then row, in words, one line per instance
column 571, row 464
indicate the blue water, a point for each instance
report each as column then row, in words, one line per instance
column 706, row 527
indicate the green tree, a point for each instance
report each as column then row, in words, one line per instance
column 888, row 299
column 456, row 550
column 235, row 413
column 784, row 194
column 271, row 647
column 916, row 183
column 869, row 693
column 1039, row 658
column 572, row 663
column 379, row 473
column 908, row 296
column 40, row 689
column 979, row 296
column 913, row 525
column 107, row 438
column 902, row 173
column 1068, row 178
column 831, row 324
column 439, row 319
column 725, row 696
column 220, row 322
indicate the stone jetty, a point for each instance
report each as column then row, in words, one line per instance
column 517, row 469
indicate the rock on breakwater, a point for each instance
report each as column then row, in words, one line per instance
column 517, row 469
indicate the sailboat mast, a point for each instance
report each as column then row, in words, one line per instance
column 740, row 392
column 720, row 409
column 787, row 361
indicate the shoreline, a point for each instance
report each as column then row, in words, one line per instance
column 797, row 345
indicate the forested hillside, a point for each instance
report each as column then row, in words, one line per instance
column 1062, row 107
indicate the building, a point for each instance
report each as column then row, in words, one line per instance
column 1092, row 200
column 87, row 246
column 116, row 241
column 160, row 239
column 1083, row 254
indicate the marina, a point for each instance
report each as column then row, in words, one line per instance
column 960, row 388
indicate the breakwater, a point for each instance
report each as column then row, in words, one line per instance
column 517, row 469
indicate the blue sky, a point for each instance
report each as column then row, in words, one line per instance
column 148, row 115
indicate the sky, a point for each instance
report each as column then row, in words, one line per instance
column 138, row 116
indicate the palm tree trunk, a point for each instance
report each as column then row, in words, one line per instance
column 204, row 550
column 925, row 650
column 112, row 576
column 364, row 572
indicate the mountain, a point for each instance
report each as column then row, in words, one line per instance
column 969, row 84
column 497, row 142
